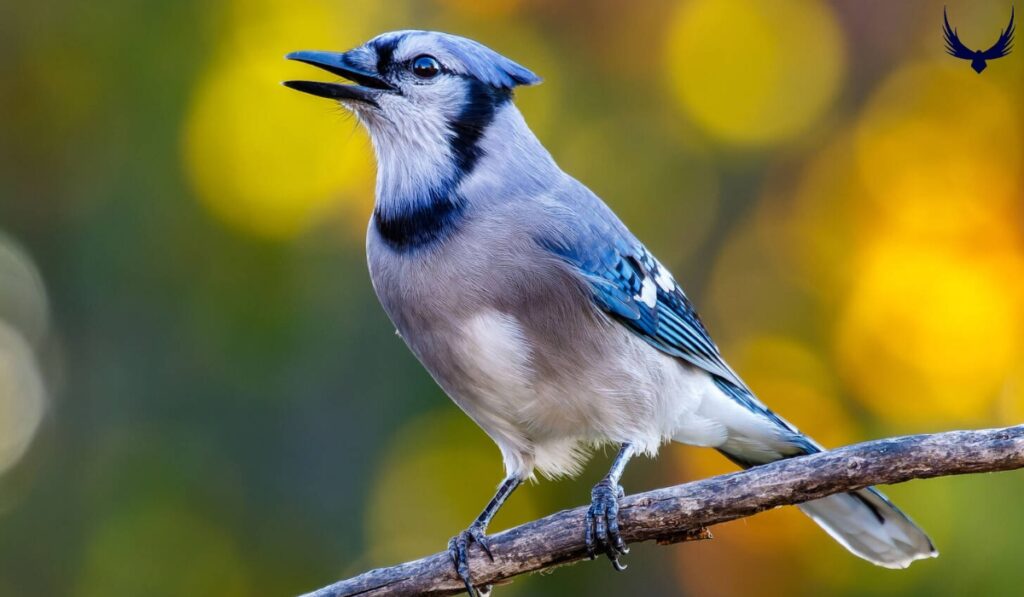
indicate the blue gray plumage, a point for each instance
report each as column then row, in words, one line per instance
column 534, row 307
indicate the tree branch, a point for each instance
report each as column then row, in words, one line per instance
column 683, row 512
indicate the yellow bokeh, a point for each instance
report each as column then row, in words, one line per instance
column 751, row 72
column 929, row 334
column 750, row 289
column 929, row 330
column 263, row 158
column 491, row 9
column 936, row 166
column 1010, row 406
column 819, row 222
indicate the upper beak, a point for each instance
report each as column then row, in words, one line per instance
column 370, row 85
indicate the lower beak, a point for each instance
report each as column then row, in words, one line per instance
column 368, row 88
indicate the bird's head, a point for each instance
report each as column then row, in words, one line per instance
column 425, row 97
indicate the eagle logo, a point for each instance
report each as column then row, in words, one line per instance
column 956, row 48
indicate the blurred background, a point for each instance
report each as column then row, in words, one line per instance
column 199, row 394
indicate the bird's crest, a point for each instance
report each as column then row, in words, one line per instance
column 956, row 48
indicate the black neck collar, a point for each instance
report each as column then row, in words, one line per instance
column 437, row 213
column 427, row 220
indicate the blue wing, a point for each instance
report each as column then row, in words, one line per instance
column 632, row 287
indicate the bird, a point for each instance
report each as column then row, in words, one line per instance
column 956, row 48
column 534, row 307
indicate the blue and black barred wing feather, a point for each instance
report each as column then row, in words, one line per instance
column 632, row 287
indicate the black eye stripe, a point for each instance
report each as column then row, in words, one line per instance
column 385, row 54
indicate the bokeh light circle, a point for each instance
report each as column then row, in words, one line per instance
column 267, row 160
column 818, row 219
column 930, row 327
column 22, row 397
column 754, row 73
column 936, row 164
column 928, row 335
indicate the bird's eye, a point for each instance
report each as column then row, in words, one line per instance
column 426, row 67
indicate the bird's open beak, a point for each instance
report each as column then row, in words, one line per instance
column 368, row 88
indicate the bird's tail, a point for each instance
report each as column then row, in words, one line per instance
column 871, row 527
column 866, row 523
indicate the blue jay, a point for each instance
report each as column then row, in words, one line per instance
column 534, row 307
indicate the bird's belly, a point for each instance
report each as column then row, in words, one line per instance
column 546, row 405
column 501, row 386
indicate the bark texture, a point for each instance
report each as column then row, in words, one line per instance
column 684, row 512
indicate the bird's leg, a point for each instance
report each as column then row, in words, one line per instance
column 602, row 522
column 458, row 547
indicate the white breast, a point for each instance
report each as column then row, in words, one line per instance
column 547, row 422
column 494, row 356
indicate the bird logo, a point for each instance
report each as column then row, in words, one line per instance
column 978, row 58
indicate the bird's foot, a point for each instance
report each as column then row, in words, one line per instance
column 458, row 550
column 602, row 523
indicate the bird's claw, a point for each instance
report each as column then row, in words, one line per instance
column 458, row 550
column 602, row 523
